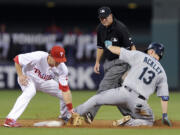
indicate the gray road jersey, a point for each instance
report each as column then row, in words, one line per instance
column 146, row 74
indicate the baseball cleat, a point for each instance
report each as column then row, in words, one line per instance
column 11, row 123
column 122, row 121
column 88, row 118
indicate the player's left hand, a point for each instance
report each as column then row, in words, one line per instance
column 166, row 121
column 108, row 43
column 76, row 119
column 67, row 118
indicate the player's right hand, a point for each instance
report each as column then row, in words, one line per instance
column 96, row 68
column 166, row 121
column 23, row 80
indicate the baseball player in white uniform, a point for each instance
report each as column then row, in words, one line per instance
column 44, row 72
column 144, row 77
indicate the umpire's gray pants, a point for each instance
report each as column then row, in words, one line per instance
column 113, row 72
column 138, row 108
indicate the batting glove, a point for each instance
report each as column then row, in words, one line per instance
column 165, row 120
column 108, row 43
column 68, row 117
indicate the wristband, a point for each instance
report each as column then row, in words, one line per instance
column 69, row 106
column 108, row 43
column 64, row 88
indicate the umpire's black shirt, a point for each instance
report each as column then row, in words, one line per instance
column 117, row 33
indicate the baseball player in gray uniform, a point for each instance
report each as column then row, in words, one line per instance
column 144, row 77
column 112, row 29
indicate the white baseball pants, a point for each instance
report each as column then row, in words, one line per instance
column 28, row 92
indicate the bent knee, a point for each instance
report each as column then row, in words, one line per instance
column 29, row 94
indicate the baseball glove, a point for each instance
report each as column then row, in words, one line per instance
column 76, row 119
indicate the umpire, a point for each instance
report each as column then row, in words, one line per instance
column 110, row 29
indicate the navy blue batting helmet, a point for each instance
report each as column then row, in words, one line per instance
column 158, row 48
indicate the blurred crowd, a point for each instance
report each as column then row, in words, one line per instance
column 79, row 45
column 4, row 42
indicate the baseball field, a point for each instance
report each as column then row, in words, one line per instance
column 44, row 107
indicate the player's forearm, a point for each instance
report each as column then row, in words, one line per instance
column 67, row 97
column 164, row 105
column 99, row 55
column 115, row 49
column 18, row 69
column 133, row 47
column 110, row 47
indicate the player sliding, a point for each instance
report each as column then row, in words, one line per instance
column 44, row 72
column 144, row 77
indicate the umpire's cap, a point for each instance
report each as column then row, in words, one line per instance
column 58, row 53
column 104, row 12
column 158, row 48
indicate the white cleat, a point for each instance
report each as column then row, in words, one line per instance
column 122, row 121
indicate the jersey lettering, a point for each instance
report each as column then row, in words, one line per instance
column 151, row 63
column 150, row 77
column 42, row 76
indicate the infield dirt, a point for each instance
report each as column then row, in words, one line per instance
column 95, row 124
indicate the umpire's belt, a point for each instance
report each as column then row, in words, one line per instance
column 139, row 95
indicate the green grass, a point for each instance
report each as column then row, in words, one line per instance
column 43, row 106
column 86, row 131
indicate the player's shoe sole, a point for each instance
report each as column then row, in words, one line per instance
column 11, row 123
column 88, row 118
column 122, row 121
column 14, row 125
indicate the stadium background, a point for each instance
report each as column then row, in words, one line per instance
column 27, row 26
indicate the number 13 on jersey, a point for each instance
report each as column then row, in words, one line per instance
column 151, row 75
